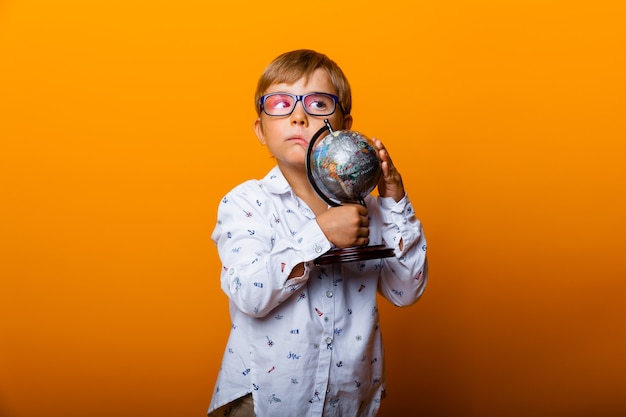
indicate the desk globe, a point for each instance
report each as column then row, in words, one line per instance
column 343, row 167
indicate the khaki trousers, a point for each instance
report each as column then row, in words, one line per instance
column 241, row 407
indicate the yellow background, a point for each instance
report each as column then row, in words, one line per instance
column 123, row 122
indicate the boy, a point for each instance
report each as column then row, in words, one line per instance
column 305, row 340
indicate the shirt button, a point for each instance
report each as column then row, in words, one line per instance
column 318, row 248
column 326, row 319
column 329, row 340
column 231, row 271
column 329, row 294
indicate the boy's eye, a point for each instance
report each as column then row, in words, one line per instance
column 278, row 102
column 319, row 103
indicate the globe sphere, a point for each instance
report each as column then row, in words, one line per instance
column 344, row 166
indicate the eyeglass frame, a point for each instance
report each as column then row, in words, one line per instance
column 301, row 99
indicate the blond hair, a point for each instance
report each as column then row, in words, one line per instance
column 294, row 65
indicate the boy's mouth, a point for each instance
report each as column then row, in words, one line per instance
column 300, row 140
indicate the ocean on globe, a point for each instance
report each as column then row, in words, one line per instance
column 345, row 166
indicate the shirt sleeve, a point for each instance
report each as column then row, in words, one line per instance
column 404, row 277
column 258, row 252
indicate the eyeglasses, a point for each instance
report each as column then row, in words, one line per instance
column 283, row 104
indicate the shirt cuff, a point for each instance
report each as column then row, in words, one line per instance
column 389, row 205
column 400, row 222
column 311, row 242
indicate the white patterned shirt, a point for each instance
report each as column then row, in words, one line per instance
column 310, row 345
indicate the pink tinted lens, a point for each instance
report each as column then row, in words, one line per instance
column 278, row 103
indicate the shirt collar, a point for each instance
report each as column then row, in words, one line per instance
column 275, row 182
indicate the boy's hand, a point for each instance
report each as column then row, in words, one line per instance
column 390, row 184
column 345, row 226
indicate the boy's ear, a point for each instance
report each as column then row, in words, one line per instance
column 347, row 121
column 258, row 130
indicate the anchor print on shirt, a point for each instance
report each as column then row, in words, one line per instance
column 316, row 397
column 274, row 399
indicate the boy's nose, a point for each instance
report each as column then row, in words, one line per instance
column 299, row 116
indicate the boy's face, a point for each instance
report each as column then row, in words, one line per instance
column 287, row 137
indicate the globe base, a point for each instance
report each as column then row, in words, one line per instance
column 358, row 253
